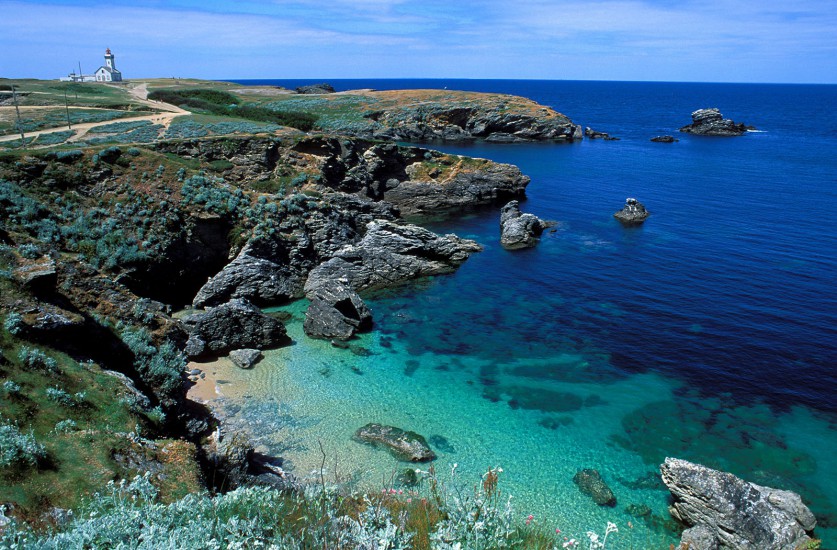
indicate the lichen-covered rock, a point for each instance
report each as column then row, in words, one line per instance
column 734, row 513
column 245, row 358
column 390, row 253
column 335, row 312
column 633, row 213
column 404, row 445
column 710, row 122
column 519, row 230
column 235, row 325
column 590, row 483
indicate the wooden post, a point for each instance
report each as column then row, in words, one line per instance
column 19, row 125
column 67, row 106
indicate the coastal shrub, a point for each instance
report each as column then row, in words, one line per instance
column 36, row 359
column 55, row 138
column 60, row 396
column 133, row 151
column 66, row 426
column 29, row 251
column 162, row 368
column 18, row 449
column 11, row 387
column 67, row 157
column 13, row 323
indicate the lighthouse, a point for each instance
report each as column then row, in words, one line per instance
column 108, row 71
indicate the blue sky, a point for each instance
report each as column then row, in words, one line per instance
column 676, row 40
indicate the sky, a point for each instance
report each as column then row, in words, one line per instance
column 665, row 40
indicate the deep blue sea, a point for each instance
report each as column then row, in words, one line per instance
column 709, row 333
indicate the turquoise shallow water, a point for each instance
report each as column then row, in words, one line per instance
column 710, row 333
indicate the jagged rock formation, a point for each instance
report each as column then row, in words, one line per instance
column 235, row 325
column 390, row 253
column 594, row 134
column 710, row 122
column 245, row 358
column 590, row 483
column 633, row 213
column 403, row 445
column 664, row 139
column 336, row 312
column 519, row 230
column 725, row 512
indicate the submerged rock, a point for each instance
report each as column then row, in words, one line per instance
column 590, row 483
column 710, row 122
column 404, row 445
column 633, row 213
column 336, row 312
column 519, row 230
column 726, row 512
column 245, row 358
column 235, row 325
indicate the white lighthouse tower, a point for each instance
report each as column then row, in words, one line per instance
column 108, row 71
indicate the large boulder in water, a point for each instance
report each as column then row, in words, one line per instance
column 726, row 511
column 335, row 312
column 519, row 230
column 590, row 483
column 633, row 213
column 710, row 122
column 404, row 445
column 235, row 325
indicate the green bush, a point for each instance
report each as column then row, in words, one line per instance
column 18, row 449
column 13, row 324
column 36, row 359
column 161, row 368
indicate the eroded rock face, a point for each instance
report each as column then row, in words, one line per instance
column 390, row 253
column 710, row 122
column 235, row 325
column 633, row 213
column 403, row 445
column 336, row 312
column 590, row 483
column 731, row 513
column 519, row 230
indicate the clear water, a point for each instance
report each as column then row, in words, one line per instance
column 709, row 333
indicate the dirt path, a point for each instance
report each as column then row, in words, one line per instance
column 140, row 93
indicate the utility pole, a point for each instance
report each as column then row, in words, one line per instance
column 67, row 106
column 19, row 125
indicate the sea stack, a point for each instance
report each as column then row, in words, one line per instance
column 710, row 122
column 633, row 213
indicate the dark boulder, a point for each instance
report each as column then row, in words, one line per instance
column 633, row 213
column 710, row 122
column 336, row 312
column 519, row 230
column 590, row 483
column 235, row 325
column 403, row 445
column 245, row 358
column 316, row 89
column 594, row 134
column 726, row 512
column 664, row 139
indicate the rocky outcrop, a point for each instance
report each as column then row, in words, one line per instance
column 590, row 483
column 335, row 312
column 723, row 511
column 633, row 213
column 403, row 445
column 37, row 275
column 245, row 358
column 235, row 325
column 664, row 139
column 391, row 253
column 519, row 230
column 710, row 122
column 594, row 134
column 316, row 89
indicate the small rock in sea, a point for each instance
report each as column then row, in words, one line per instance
column 710, row 122
column 633, row 213
column 593, row 134
column 519, row 230
column 245, row 358
column 339, row 344
column 638, row 510
column 404, row 445
column 664, row 139
column 590, row 483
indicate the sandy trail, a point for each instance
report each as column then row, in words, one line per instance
column 140, row 93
